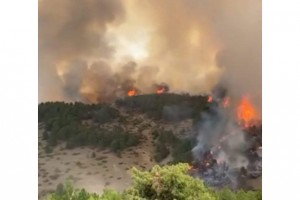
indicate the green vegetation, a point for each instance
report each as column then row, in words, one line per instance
column 182, row 151
column 161, row 183
column 166, row 142
column 48, row 149
column 80, row 124
column 66, row 122
column 171, row 107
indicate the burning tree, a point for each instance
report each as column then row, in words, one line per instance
column 246, row 113
column 132, row 92
column 224, row 145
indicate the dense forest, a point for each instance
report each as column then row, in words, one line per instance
column 161, row 183
column 168, row 106
column 65, row 122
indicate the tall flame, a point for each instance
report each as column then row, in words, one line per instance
column 246, row 112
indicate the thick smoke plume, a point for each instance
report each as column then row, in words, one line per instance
column 222, row 149
column 220, row 135
column 85, row 47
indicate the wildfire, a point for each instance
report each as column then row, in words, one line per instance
column 160, row 90
column 226, row 102
column 132, row 92
column 210, row 99
column 246, row 112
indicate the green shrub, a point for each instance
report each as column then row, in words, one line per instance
column 63, row 122
column 161, row 183
column 161, row 152
column 48, row 149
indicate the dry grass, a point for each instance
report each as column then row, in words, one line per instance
column 54, row 177
column 93, row 174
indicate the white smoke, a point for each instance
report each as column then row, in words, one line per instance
column 219, row 133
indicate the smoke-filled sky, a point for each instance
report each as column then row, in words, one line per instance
column 96, row 50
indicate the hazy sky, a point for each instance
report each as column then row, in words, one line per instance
column 95, row 50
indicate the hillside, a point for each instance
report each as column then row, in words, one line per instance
column 95, row 145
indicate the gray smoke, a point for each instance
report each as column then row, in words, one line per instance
column 220, row 175
column 191, row 45
column 219, row 134
column 175, row 113
column 72, row 31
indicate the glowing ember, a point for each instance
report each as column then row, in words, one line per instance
column 246, row 112
column 226, row 102
column 132, row 92
column 210, row 99
column 160, row 90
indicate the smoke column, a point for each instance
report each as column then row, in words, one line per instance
column 97, row 50
column 219, row 134
column 85, row 47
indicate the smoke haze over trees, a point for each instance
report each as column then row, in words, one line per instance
column 85, row 48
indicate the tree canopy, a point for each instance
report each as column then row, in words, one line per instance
column 169, row 182
column 65, row 122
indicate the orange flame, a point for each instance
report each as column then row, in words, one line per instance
column 132, row 92
column 246, row 112
column 160, row 90
column 210, row 99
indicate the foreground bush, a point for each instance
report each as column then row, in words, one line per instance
column 161, row 183
column 169, row 182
